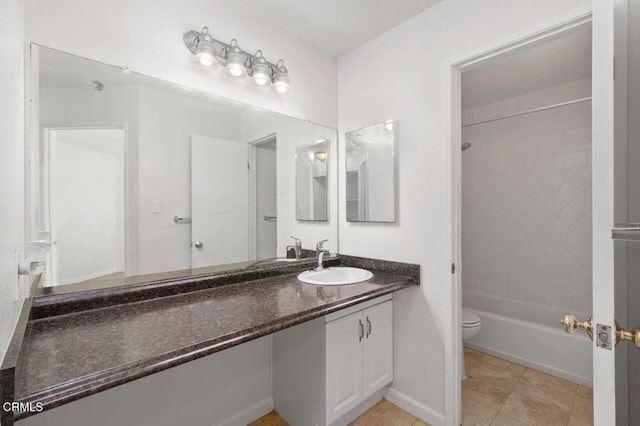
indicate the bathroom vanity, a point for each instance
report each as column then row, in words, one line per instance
column 70, row 346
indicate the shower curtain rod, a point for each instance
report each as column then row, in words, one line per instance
column 561, row 104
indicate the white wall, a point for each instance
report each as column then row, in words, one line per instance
column 11, row 161
column 147, row 35
column 403, row 75
column 87, row 193
column 526, row 201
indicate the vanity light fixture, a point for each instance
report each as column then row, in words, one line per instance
column 238, row 62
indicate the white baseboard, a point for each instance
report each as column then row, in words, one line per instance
column 249, row 414
column 414, row 407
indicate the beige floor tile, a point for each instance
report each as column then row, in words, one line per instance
column 503, row 420
column 584, row 392
column 577, row 421
column 478, row 415
column 472, row 354
column 534, row 412
column 271, row 419
column 503, row 363
column 385, row 413
column 421, row 423
column 476, row 392
column 471, row 357
column 496, row 372
column 581, row 412
column 544, row 387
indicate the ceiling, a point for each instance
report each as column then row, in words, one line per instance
column 334, row 27
column 552, row 63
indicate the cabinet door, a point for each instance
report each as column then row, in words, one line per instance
column 344, row 364
column 378, row 347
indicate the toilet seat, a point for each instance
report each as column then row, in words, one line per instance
column 469, row 319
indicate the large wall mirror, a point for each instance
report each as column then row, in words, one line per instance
column 370, row 173
column 133, row 178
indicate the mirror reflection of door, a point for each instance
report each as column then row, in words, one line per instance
column 219, row 194
column 86, row 204
column 266, row 199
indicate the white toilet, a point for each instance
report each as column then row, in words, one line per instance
column 470, row 328
column 470, row 324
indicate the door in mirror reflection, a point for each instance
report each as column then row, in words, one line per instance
column 86, row 203
column 219, row 193
column 312, row 181
column 370, row 173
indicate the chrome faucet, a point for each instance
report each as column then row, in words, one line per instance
column 297, row 247
column 320, row 252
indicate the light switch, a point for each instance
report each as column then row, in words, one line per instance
column 155, row 208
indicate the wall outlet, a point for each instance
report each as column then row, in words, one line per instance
column 155, row 206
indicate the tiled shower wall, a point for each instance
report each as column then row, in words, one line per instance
column 526, row 200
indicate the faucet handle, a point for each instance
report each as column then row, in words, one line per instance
column 319, row 244
column 297, row 240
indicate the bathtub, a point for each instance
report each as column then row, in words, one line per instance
column 531, row 335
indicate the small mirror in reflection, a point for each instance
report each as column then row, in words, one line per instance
column 370, row 173
column 311, row 181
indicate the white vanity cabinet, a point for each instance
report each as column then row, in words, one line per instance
column 359, row 356
column 329, row 370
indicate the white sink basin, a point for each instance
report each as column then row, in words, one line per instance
column 338, row 275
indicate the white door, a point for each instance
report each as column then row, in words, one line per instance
column 219, row 201
column 378, row 347
column 344, row 364
column 266, row 200
column 609, row 207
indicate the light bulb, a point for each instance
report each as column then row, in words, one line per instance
column 205, row 59
column 235, row 60
column 260, row 81
column 206, row 51
column 235, row 69
column 281, row 77
column 261, row 72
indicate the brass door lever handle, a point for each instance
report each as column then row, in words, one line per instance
column 571, row 325
column 633, row 335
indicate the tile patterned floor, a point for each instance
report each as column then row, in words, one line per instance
column 496, row 393
column 383, row 413
column 501, row 393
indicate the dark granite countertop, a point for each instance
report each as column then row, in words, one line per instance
column 67, row 355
